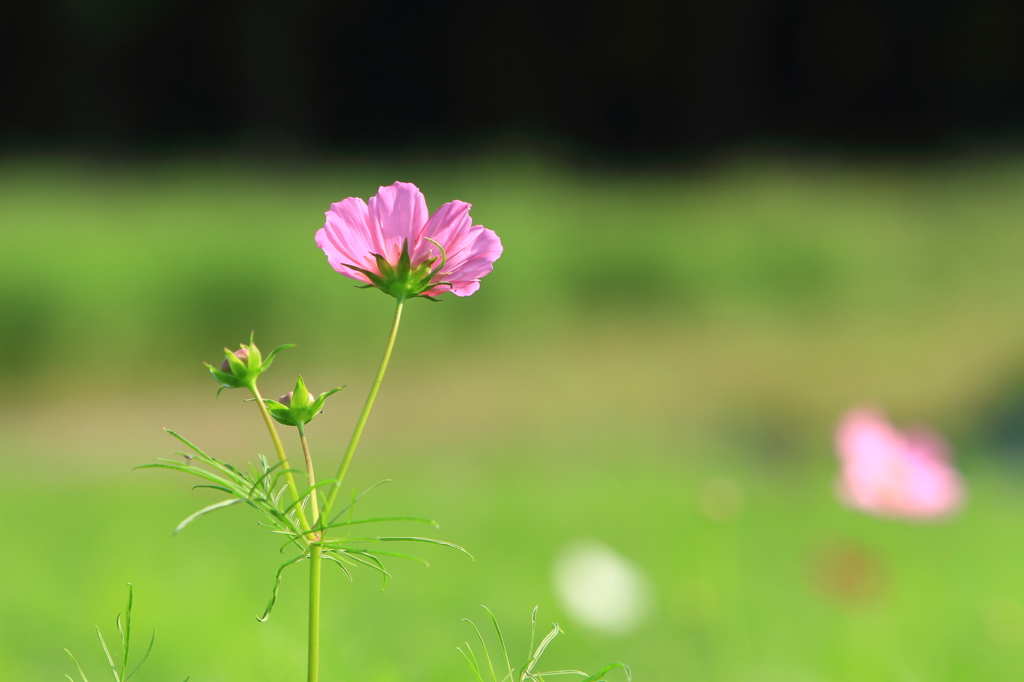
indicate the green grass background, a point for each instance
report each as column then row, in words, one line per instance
column 644, row 332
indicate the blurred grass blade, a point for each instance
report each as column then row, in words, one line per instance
column 483, row 645
column 205, row 510
column 126, row 634
column 80, row 671
column 145, row 656
column 501, row 641
column 110, row 659
column 542, row 647
column 533, row 630
column 471, row 661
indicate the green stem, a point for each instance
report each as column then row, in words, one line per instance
column 366, row 411
column 315, row 564
column 309, row 472
column 281, row 456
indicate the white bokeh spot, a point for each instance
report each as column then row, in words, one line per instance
column 601, row 589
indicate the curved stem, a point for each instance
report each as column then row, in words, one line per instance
column 366, row 411
column 281, row 456
column 315, row 565
column 309, row 472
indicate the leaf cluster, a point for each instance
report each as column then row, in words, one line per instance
column 526, row 672
column 262, row 489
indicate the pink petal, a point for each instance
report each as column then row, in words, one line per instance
column 396, row 213
column 471, row 249
column 345, row 238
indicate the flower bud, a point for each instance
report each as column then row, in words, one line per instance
column 242, row 354
column 241, row 368
column 296, row 407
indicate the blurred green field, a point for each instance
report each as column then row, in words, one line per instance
column 643, row 333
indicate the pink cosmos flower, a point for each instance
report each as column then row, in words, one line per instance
column 894, row 473
column 393, row 243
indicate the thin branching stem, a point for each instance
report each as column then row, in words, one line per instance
column 315, row 566
column 366, row 410
column 282, row 456
column 315, row 569
column 314, row 504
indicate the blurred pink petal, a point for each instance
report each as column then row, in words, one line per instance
column 894, row 473
column 356, row 230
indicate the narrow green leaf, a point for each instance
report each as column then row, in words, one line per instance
column 330, row 557
column 205, row 510
column 277, row 585
column 382, row 519
column 266, row 474
column 188, row 444
column 552, row 673
column 356, row 498
column 215, row 487
column 431, row 541
column 373, row 563
column 194, row 471
column 398, row 555
column 599, row 675
column 305, row 494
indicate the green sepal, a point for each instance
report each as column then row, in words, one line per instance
column 386, row 271
column 270, row 358
column 404, row 264
column 238, row 368
column 401, row 280
column 375, row 279
column 227, row 380
column 300, row 396
column 318, row 404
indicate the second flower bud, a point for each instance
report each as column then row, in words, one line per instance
column 298, row 406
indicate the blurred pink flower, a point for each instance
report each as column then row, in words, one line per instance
column 894, row 473
column 356, row 232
